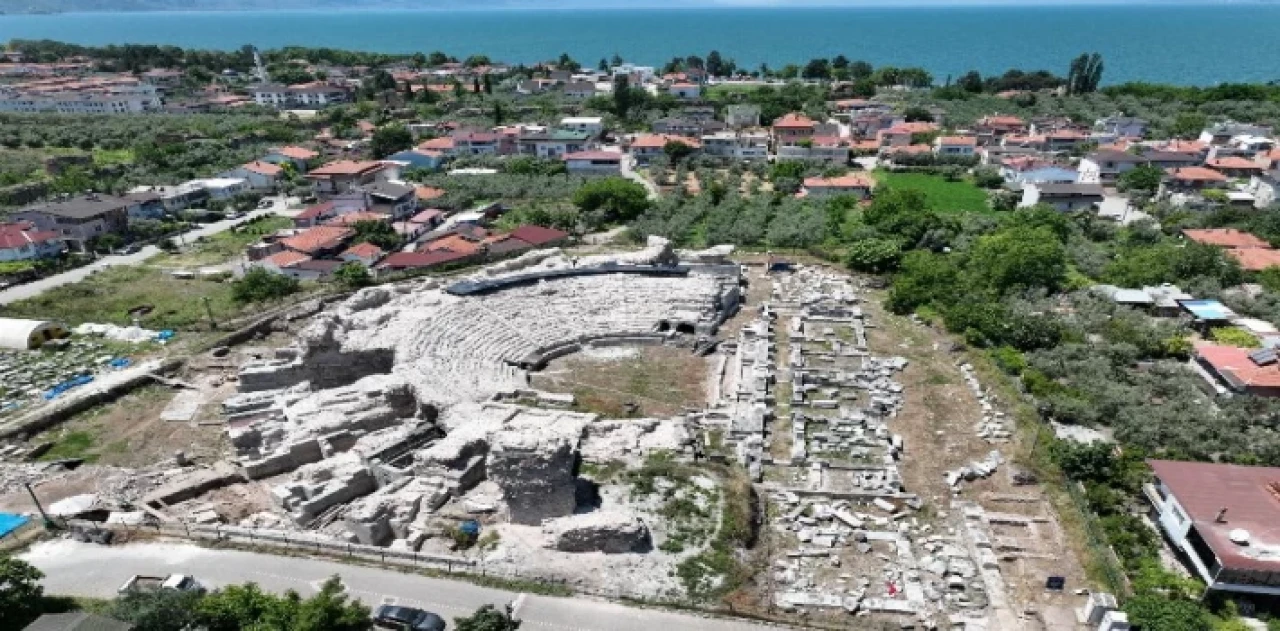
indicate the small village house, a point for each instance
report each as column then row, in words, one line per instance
column 1062, row 196
column 644, row 148
column 300, row 157
column 21, row 241
column 856, row 185
column 78, row 220
column 684, row 90
column 261, row 176
column 593, row 126
column 344, row 175
column 955, row 146
column 593, row 163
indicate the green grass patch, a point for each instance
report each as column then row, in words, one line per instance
column 109, row 157
column 110, row 294
column 943, row 196
column 72, row 444
column 224, row 246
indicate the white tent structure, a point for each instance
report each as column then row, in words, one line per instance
column 20, row 335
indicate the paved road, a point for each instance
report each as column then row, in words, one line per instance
column 82, row 569
column 35, row 288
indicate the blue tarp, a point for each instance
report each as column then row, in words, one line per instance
column 164, row 335
column 10, row 522
column 67, row 385
column 121, row 362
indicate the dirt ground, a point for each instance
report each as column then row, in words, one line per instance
column 129, row 433
column 658, row 380
column 937, row 423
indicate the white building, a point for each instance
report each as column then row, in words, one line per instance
column 593, row 163
column 593, row 125
column 221, row 187
column 737, row 145
column 121, row 100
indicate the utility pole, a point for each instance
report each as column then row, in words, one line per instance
column 48, row 523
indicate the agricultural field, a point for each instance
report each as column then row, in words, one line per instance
column 943, row 196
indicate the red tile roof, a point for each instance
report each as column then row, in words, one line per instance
column 17, row 235
column 346, row 167
column 351, row 219
column 847, row 181
column 297, row 153
column 794, row 120
column 1234, row 163
column 315, row 212
column 1249, row 495
column 287, row 258
column 263, row 168
column 426, row 216
column 538, row 235
column 1196, row 174
column 966, row 141
column 417, row 260
column 438, row 144
column 1226, row 238
column 319, row 238
column 1256, row 259
column 364, row 251
column 658, row 141
column 452, row 243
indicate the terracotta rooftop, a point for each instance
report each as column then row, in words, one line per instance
column 287, row 258
column 319, row 238
column 297, row 153
column 658, row 141
column 1256, row 259
column 426, row 216
column 597, row 156
column 1251, row 497
column 1235, row 163
column 364, row 251
column 263, row 168
column 538, row 235
column 1196, row 174
column 18, row 235
column 346, row 167
column 319, row 210
column 794, row 120
column 413, row 260
column 1226, row 238
column 968, row 141
column 427, row 193
column 437, row 144
column 351, row 219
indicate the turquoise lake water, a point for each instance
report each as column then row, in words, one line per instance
column 1175, row 43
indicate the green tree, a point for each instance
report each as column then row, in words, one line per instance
column 20, row 592
column 486, row 618
column 621, row 96
column 161, row 610
column 1143, row 178
column 1155, row 611
column 390, row 139
column 1085, row 74
column 817, row 69
column 970, row 82
column 612, row 199
column 874, row 255
column 1188, row 125
column 488, row 83
column 379, row 233
column 917, row 114
column 237, row 607
column 329, row 610
column 715, row 64
column 352, row 275
column 676, row 150
column 260, row 285
column 1018, row 259
column 924, row 279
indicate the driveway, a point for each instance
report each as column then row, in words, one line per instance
column 35, row 288
column 89, row 570
column 628, row 171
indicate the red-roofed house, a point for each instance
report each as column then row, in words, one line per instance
column 1235, row 166
column 793, row 128
column 281, row 262
column 444, row 144
column 1193, row 179
column 344, row 175
column 261, row 175
column 1226, row 238
column 1255, row 259
column 992, row 128
column 540, row 237
column 1224, row 518
column 648, row 146
column 20, row 241
column 427, row 193
column 320, row 241
column 299, row 156
column 856, row 185
column 366, row 254
column 593, row 163
column 348, row 220
column 404, row 261
column 962, row 146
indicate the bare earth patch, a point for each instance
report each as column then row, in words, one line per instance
column 658, row 380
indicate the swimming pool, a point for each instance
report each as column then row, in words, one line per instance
column 10, row 522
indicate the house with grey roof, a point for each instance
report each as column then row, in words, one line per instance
column 1065, row 197
column 78, row 220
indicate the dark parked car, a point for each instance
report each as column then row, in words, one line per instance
column 407, row 619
